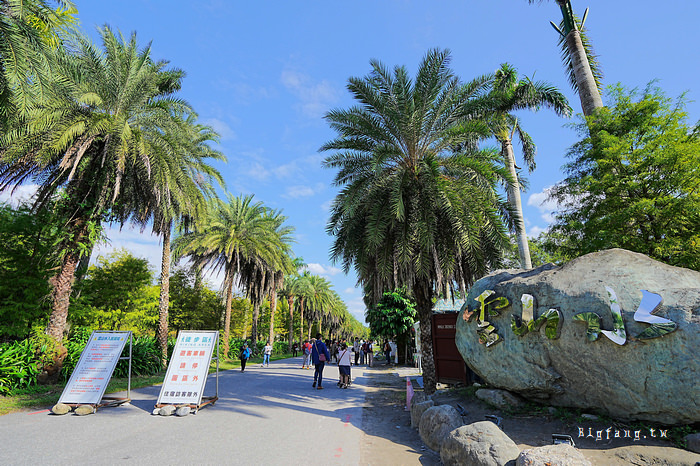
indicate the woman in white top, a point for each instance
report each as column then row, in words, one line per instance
column 344, row 366
column 267, row 351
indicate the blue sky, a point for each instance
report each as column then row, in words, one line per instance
column 264, row 73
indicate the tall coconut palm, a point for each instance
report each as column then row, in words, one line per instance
column 90, row 140
column 233, row 237
column 413, row 211
column 183, row 181
column 579, row 60
column 509, row 94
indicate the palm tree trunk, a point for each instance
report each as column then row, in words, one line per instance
column 164, row 301
column 587, row 89
column 290, row 303
column 424, row 306
column 311, row 324
column 301, row 320
column 513, row 190
column 273, row 308
column 62, row 283
column 227, row 318
column 254, row 331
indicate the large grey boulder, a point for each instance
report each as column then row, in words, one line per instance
column 651, row 379
column 417, row 410
column 561, row 454
column 436, row 423
column 478, row 444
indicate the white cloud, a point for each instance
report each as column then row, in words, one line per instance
column 20, row 194
column 326, row 206
column 258, row 172
column 350, row 290
column 296, row 192
column 315, row 98
column 286, row 171
column 546, row 206
column 319, row 269
column 144, row 245
column 221, row 127
column 534, row 232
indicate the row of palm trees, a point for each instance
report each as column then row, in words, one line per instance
column 102, row 133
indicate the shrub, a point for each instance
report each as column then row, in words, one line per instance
column 18, row 366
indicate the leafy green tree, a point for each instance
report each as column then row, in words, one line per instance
column 418, row 205
column 26, row 256
column 393, row 316
column 634, row 181
column 509, row 94
column 92, row 140
column 193, row 306
column 117, row 293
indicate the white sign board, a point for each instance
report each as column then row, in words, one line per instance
column 91, row 375
column 188, row 368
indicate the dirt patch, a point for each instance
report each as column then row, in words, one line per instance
column 390, row 439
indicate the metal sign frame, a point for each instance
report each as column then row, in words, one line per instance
column 201, row 400
column 103, row 400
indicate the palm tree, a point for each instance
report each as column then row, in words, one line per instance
column 183, row 182
column 579, row 59
column 28, row 32
column 511, row 94
column 91, row 140
column 238, row 238
column 414, row 210
column 289, row 291
column 319, row 297
column 263, row 272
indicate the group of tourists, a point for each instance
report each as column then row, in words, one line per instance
column 316, row 352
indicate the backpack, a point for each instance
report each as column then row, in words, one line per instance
column 306, row 350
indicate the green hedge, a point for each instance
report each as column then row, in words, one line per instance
column 20, row 361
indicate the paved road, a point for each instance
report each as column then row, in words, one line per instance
column 264, row 416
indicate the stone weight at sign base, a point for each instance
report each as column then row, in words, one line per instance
column 182, row 389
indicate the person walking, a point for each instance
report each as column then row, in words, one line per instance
column 344, row 366
column 356, row 350
column 267, row 352
column 370, row 353
column 319, row 356
column 362, row 352
column 387, row 352
column 244, row 356
column 306, row 350
column 295, row 349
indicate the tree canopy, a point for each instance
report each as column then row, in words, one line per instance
column 634, row 181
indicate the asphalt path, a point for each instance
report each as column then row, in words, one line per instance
column 264, row 416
